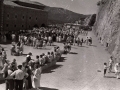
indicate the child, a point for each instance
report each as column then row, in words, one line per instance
column 105, row 68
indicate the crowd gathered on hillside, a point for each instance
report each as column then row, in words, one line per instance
column 19, row 76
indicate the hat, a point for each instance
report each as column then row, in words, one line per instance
column 29, row 53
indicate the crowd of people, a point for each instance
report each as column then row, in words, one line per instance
column 18, row 77
column 28, row 74
column 42, row 37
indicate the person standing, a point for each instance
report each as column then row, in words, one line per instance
column 19, row 76
column 36, row 77
column 4, row 56
column 116, row 68
column 8, row 79
column 28, row 79
column 28, row 58
column 105, row 68
column 110, row 64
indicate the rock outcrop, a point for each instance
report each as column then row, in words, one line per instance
column 107, row 26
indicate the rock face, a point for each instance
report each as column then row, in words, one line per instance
column 107, row 26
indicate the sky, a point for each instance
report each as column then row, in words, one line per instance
column 78, row 6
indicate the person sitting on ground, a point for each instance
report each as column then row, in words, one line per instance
column 44, row 58
column 18, row 50
column 13, row 51
column 65, row 48
column 52, row 54
column 55, row 54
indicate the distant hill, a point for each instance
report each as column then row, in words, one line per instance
column 60, row 15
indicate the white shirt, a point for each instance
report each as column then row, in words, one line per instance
column 19, row 74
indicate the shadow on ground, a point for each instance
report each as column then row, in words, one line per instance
column 93, row 45
column 62, row 59
column 54, row 45
column 51, row 69
column 73, row 53
column 45, row 88
column 110, row 77
column 74, row 47
column 41, row 48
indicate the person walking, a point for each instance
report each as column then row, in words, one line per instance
column 36, row 77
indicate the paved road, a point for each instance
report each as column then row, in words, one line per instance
column 79, row 70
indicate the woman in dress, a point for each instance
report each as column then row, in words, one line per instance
column 36, row 77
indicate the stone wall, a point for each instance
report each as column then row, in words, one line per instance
column 107, row 26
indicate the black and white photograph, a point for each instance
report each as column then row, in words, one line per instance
column 59, row 44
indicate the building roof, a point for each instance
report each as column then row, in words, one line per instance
column 31, row 2
column 8, row 2
column 12, row 2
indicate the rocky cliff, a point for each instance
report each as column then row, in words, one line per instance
column 107, row 26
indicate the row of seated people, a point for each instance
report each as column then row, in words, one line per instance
column 44, row 58
column 17, row 50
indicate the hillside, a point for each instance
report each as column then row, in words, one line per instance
column 60, row 15
column 107, row 26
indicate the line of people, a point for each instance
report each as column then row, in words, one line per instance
column 27, row 75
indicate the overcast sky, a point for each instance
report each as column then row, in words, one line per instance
column 79, row 6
